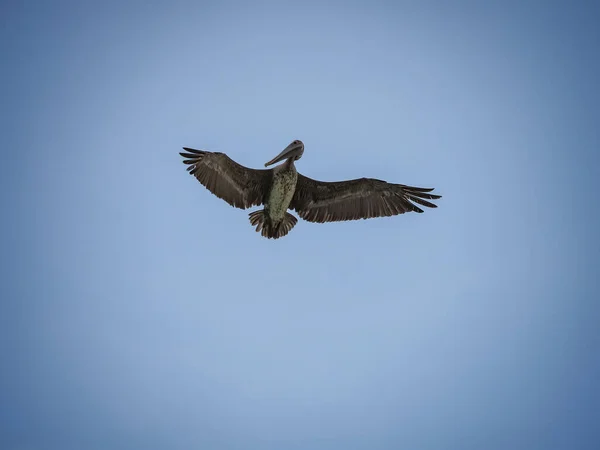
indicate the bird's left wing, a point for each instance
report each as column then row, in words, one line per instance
column 239, row 186
column 363, row 198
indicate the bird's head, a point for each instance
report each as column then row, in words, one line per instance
column 294, row 151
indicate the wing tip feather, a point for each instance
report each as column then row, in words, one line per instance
column 193, row 150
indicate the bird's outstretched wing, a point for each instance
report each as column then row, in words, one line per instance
column 239, row 186
column 363, row 198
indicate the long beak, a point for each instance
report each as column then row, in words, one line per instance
column 288, row 152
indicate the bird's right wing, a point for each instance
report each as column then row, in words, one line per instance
column 239, row 186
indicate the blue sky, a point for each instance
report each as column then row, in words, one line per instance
column 140, row 311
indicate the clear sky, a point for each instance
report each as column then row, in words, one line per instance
column 138, row 311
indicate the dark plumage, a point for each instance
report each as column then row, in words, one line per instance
column 282, row 188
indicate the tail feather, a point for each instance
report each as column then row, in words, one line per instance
column 271, row 230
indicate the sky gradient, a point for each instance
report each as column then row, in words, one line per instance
column 140, row 311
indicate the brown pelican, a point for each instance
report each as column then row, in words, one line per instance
column 282, row 188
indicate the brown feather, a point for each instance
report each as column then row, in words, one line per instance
column 363, row 198
column 239, row 186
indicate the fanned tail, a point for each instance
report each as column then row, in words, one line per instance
column 271, row 230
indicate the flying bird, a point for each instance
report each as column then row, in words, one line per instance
column 282, row 188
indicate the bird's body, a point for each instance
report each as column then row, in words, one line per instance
column 281, row 191
column 283, row 188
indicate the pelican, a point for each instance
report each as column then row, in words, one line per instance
column 282, row 188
